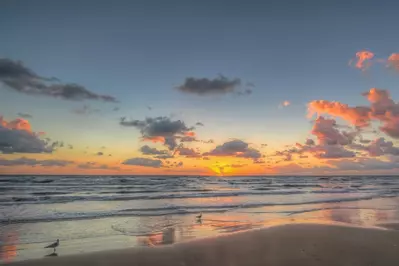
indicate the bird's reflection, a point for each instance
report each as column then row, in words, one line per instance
column 54, row 254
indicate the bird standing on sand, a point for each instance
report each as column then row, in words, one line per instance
column 54, row 245
column 199, row 216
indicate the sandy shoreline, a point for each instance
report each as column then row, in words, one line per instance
column 298, row 244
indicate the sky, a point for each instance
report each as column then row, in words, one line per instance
column 199, row 88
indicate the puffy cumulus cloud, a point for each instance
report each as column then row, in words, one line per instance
column 378, row 147
column 382, row 108
column 327, row 132
column 147, row 150
column 358, row 116
column 393, row 61
column 331, row 142
column 94, row 165
column 250, row 153
column 310, row 142
column 33, row 162
column 236, row 148
column 19, row 78
column 189, row 153
column 16, row 136
column 331, row 152
column 362, row 60
column 219, row 85
column 145, row 162
column 161, row 129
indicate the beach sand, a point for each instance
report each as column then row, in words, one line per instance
column 295, row 244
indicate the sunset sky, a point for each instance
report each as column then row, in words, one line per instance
column 199, row 87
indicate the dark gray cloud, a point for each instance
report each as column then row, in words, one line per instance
column 187, row 152
column 57, row 144
column 25, row 115
column 34, row 162
column 170, row 142
column 145, row 162
column 116, row 109
column 159, row 126
column 147, row 150
column 250, row 153
column 21, row 79
column 205, row 86
column 188, row 139
column 164, row 156
column 100, row 153
column 161, row 129
column 14, row 140
column 236, row 148
column 94, row 165
column 199, row 124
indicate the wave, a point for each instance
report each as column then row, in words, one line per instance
column 176, row 210
column 55, row 197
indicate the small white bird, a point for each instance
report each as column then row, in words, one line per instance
column 54, row 245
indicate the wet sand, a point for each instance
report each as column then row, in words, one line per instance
column 295, row 244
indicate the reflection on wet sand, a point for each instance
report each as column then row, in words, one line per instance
column 52, row 255
column 8, row 247
column 165, row 237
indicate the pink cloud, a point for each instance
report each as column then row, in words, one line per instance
column 393, row 61
column 382, row 108
column 362, row 60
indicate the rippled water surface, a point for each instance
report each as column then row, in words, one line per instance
column 90, row 213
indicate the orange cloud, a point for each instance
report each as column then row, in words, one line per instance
column 19, row 124
column 363, row 59
column 393, row 61
column 382, row 108
column 154, row 139
column 190, row 134
column 358, row 116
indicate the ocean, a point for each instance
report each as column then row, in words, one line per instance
column 95, row 213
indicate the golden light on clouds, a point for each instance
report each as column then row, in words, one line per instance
column 362, row 60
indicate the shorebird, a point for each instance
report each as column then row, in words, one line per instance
column 54, row 245
column 199, row 216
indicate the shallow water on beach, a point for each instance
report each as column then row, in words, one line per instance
column 94, row 213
